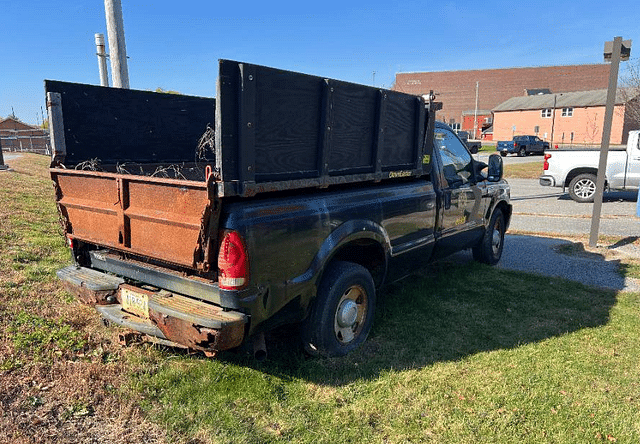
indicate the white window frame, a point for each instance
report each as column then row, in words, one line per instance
column 546, row 113
column 567, row 112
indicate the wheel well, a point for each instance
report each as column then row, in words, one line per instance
column 577, row 171
column 368, row 253
column 506, row 212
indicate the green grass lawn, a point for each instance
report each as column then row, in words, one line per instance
column 459, row 353
column 528, row 170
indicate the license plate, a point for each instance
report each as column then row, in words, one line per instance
column 134, row 302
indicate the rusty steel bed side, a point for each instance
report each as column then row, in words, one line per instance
column 166, row 219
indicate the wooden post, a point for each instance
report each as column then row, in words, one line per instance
column 606, row 136
column 56, row 128
column 117, row 46
column 2, row 165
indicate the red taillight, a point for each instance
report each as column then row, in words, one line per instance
column 70, row 242
column 545, row 165
column 515, row 144
column 233, row 262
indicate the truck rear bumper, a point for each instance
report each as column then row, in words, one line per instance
column 547, row 181
column 190, row 322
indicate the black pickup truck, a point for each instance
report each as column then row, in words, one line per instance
column 289, row 198
column 522, row 146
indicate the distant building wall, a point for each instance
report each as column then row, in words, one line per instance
column 483, row 121
column 457, row 89
column 585, row 123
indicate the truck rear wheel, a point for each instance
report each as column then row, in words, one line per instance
column 489, row 250
column 522, row 152
column 582, row 188
column 342, row 313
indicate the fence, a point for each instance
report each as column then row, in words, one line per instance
column 32, row 141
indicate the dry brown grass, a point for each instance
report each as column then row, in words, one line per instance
column 67, row 388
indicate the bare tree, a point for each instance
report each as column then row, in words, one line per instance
column 630, row 82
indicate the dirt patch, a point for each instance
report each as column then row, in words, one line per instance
column 70, row 402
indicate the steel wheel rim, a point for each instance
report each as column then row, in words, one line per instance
column 350, row 314
column 496, row 239
column 584, row 188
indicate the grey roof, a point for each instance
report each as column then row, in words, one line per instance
column 481, row 112
column 578, row 99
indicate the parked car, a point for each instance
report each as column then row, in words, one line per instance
column 522, row 146
column 316, row 193
column 473, row 145
column 578, row 169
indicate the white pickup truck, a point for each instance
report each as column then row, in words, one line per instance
column 578, row 169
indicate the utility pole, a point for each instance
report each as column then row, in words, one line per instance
column 553, row 117
column 614, row 52
column 102, row 60
column 475, row 113
column 117, row 46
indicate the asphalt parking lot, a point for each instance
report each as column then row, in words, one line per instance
column 541, row 209
column 542, row 214
column 550, row 210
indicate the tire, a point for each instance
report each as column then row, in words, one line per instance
column 522, row 152
column 503, row 153
column 582, row 188
column 489, row 250
column 342, row 313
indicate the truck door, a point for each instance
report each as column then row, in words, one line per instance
column 633, row 161
column 462, row 204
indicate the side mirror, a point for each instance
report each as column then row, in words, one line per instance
column 473, row 149
column 495, row 170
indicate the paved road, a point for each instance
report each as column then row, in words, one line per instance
column 544, row 212
column 549, row 210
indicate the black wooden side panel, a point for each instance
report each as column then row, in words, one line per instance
column 400, row 132
column 353, row 132
column 279, row 130
column 288, row 107
column 119, row 125
column 227, row 116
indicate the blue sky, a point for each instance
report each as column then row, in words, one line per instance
column 176, row 45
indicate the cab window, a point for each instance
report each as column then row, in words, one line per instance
column 457, row 164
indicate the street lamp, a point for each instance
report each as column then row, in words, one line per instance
column 614, row 52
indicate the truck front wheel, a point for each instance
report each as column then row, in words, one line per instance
column 489, row 250
column 582, row 188
column 342, row 313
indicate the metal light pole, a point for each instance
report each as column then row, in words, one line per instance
column 613, row 51
column 475, row 113
column 102, row 60
column 553, row 117
column 117, row 46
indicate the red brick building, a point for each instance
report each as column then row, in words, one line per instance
column 457, row 89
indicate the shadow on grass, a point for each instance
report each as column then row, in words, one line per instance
column 446, row 313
